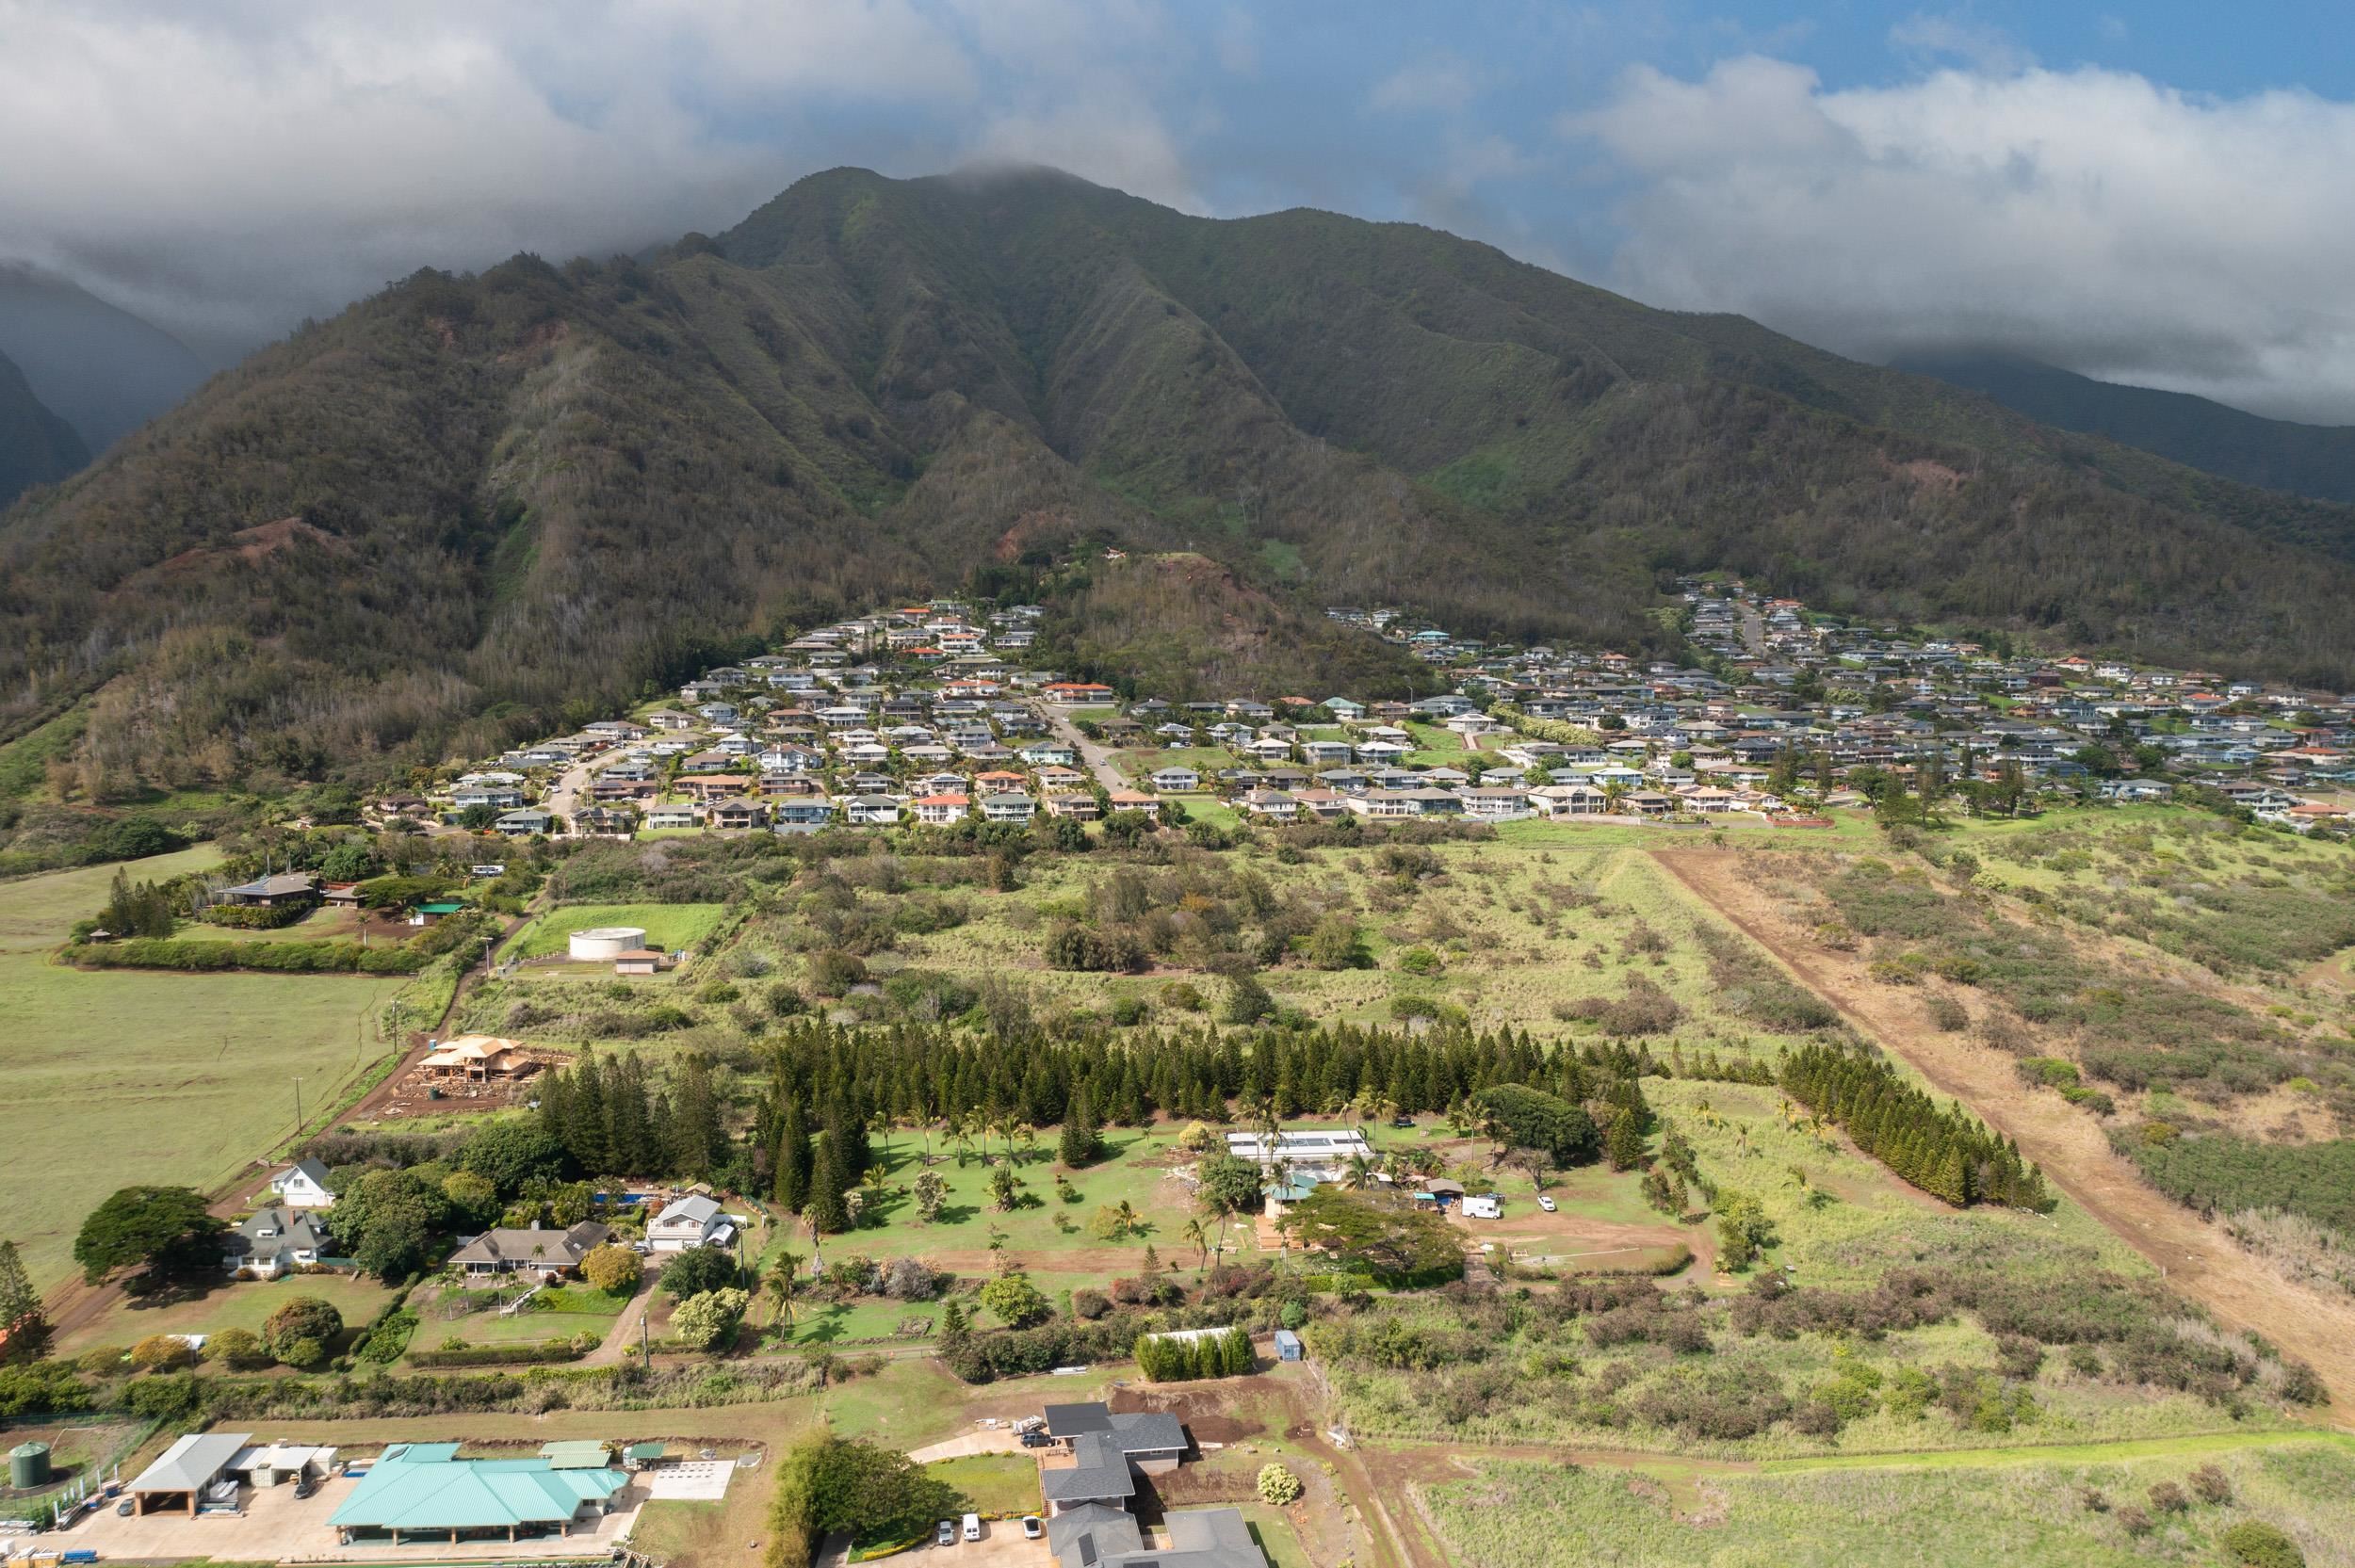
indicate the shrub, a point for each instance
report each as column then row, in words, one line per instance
column 239, row 1349
column 615, row 1271
column 707, row 1322
column 2261, row 1546
column 160, row 1351
column 306, row 1325
column 696, row 1270
column 2211, row 1485
column 1278, row 1486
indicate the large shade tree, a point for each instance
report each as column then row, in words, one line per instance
column 147, row 1237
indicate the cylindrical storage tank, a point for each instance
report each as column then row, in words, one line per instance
column 607, row 942
column 29, row 1465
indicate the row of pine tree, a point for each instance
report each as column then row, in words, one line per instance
column 1947, row 1152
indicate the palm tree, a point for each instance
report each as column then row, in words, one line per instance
column 781, row 1286
column 1196, row 1237
column 961, row 1136
column 1358, row 1173
column 1028, row 1137
column 1123, row 1219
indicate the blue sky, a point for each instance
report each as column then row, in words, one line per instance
column 2148, row 193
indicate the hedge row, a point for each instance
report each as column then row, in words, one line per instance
column 265, row 919
column 499, row 1355
column 291, row 958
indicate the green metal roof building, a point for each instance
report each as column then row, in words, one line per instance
column 425, row 1491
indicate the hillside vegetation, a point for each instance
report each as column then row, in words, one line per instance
column 473, row 507
column 2279, row 454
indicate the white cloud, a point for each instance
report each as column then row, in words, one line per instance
column 1103, row 138
column 2089, row 217
column 1441, row 82
column 1930, row 37
column 228, row 169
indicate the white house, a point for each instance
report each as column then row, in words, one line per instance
column 302, row 1185
column 693, row 1220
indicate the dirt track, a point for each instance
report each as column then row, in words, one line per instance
column 2200, row 1261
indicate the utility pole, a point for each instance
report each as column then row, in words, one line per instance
column 297, row 1105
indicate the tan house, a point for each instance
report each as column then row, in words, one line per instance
column 479, row 1058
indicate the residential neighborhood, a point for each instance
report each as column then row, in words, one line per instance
column 926, row 717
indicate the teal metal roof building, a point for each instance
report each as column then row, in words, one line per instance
column 423, row 1489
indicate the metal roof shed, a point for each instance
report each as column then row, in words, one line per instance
column 183, row 1471
column 575, row 1454
column 423, row 1489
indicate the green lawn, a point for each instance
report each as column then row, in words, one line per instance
column 1001, row 1485
column 176, row 1078
column 669, row 926
column 232, row 1305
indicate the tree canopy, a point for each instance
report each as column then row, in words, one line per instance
column 148, row 1235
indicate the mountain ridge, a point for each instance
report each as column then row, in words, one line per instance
column 2317, row 461
column 35, row 446
column 101, row 369
column 530, row 494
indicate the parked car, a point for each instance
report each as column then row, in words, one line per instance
column 1036, row 1440
column 1545, row 1202
column 1031, row 1529
column 972, row 1527
column 947, row 1534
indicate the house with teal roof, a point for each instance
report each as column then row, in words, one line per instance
column 424, row 1491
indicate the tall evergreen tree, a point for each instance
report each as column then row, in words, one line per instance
column 795, row 1161
column 823, row 1206
column 24, row 1332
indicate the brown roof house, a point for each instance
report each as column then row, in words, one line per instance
column 538, row 1251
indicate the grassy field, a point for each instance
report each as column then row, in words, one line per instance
column 236, row 1305
column 1001, row 1485
column 669, row 927
column 559, row 1314
column 1050, row 1239
column 1536, row 1516
column 179, row 1078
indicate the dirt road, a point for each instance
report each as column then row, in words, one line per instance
column 2200, row 1261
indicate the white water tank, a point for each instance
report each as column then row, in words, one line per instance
column 606, row 943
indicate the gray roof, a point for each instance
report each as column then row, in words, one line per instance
column 1071, row 1420
column 1088, row 1535
column 192, row 1461
column 1097, row 1537
column 691, row 1209
column 1103, row 1472
column 284, row 1228
column 538, row 1248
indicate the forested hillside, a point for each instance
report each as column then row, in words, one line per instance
column 2306, row 460
column 468, row 507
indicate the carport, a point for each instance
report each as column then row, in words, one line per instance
column 177, row 1480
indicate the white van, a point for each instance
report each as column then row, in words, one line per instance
column 972, row 1527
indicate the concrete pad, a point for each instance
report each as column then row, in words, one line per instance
column 694, row 1481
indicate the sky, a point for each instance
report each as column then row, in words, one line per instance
column 2150, row 193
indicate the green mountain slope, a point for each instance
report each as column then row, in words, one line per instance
column 468, row 507
column 2306, row 460
column 35, row 446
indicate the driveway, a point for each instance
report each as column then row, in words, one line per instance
column 620, row 1341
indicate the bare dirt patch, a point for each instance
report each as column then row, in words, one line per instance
column 2200, row 1261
